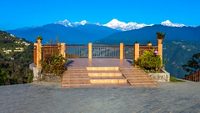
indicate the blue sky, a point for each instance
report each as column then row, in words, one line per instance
column 22, row 13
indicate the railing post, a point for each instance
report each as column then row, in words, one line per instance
column 89, row 51
column 121, row 51
column 136, row 51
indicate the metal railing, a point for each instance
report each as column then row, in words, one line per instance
column 105, row 51
column 99, row 51
column 77, row 51
column 128, row 51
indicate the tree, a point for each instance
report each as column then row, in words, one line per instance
column 193, row 64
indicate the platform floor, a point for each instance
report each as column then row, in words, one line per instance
column 99, row 62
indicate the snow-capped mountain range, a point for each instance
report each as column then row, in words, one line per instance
column 119, row 25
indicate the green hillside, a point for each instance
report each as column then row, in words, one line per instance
column 15, row 57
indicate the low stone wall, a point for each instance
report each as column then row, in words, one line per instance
column 36, row 74
column 161, row 77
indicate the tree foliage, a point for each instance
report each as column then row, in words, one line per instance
column 149, row 61
column 54, row 64
column 14, row 67
column 192, row 65
column 160, row 35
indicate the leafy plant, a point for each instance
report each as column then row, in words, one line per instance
column 39, row 38
column 54, row 64
column 149, row 61
column 160, row 35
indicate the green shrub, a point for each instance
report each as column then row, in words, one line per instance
column 149, row 61
column 3, row 77
column 54, row 64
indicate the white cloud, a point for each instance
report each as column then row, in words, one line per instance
column 171, row 24
column 116, row 24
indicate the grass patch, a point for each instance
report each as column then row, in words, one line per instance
column 174, row 79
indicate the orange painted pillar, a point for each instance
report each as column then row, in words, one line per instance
column 90, row 51
column 136, row 51
column 121, row 51
column 38, row 53
column 160, row 49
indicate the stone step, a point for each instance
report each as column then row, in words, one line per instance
column 76, row 78
column 107, row 77
column 103, row 74
column 143, row 83
column 108, row 81
column 76, row 68
column 94, row 71
column 76, row 74
column 138, row 78
column 75, row 85
column 140, row 81
column 133, row 72
column 103, row 68
column 75, row 82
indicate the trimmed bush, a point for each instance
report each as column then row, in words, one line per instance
column 54, row 64
column 149, row 61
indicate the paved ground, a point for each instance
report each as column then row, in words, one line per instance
column 99, row 62
column 34, row 98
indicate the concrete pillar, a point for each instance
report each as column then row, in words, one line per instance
column 136, row 51
column 121, row 51
column 89, row 51
column 35, row 53
column 62, row 49
column 38, row 53
column 160, row 49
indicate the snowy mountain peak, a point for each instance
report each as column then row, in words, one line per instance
column 65, row 22
column 171, row 24
column 116, row 24
column 119, row 25
column 83, row 22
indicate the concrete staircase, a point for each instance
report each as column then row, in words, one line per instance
column 106, row 76
column 136, row 77
column 75, row 77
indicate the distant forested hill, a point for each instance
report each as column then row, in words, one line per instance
column 15, row 57
column 177, row 53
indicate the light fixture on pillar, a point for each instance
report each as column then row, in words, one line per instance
column 149, row 44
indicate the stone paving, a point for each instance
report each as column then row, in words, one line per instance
column 44, row 98
column 99, row 62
